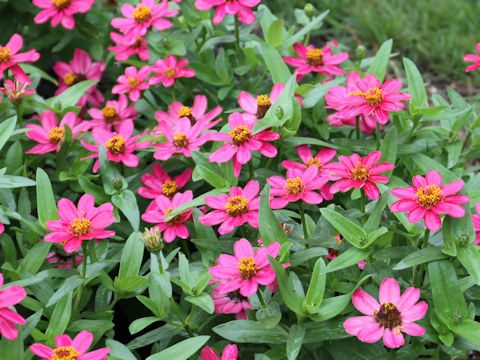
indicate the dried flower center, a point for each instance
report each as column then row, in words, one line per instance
column 169, row 188
column 315, row 162
column 142, row 14
column 236, row 206
column 248, row 268
column 116, row 145
column 61, row 4
column 372, row 96
column 333, row 252
column 175, row 219
column 388, row 316
column 110, row 114
column 80, row 226
column 170, row 72
column 240, row 135
column 56, row 135
column 360, row 172
column 294, row 186
column 185, row 111
column 315, row 57
column 180, row 140
column 263, row 104
column 132, row 82
column 4, row 55
column 65, row 353
column 429, row 196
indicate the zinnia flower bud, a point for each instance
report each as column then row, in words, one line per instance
column 309, row 10
column 152, row 239
column 360, row 52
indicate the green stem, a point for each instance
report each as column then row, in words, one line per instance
column 362, row 206
column 377, row 135
column 173, row 93
column 414, row 127
column 421, row 273
column 304, row 223
column 160, row 265
column 83, row 275
column 307, row 39
column 19, row 109
column 190, row 316
column 260, row 298
column 269, row 163
column 237, row 39
column 357, row 127
column 180, row 317
column 185, row 248
column 93, row 255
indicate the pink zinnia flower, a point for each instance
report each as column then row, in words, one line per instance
column 476, row 224
column 474, row 58
column 372, row 100
column 230, row 352
column 240, row 8
column 66, row 348
column 160, row 183
column 159, row 209
column 139, row 19
column 256, row 108
column 78, row 69
column 241, row 142
column 235, row 209
column 169, row 70
column 10, row 58
column 63, row 262
column 231, row 302
column 322, row 158
column 50, row 135
column 298, row 185
column 195, row 113
column 61, row 11
column 85, row 222
column 182, row 139
column 427, row 199
column 247, row 269
column 133, row 82
column 395, row 314
column 321, row 61
column 9, row 297
column 128, row 46
column 114, row 114
column 15, row 90
column 359, row 173
column 120, row 146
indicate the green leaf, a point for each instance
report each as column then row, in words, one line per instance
column 426, row 163
column 316, row 94
column 348, row 258
column 127, row 203
column 275, row 64
column 140, row 324
column 379, row 65
column 90, row 188
column 60, row 317
column 294, row 341
column 270, row 315
column 249, row 331
column 109, row 173
column 12, row 349
column 6, row 130
column 71, row 96
column 331, row 307
column 421, row 256
column 119, row 350
column 67, row 287
column 317, row 284
column 388, row 147
column 373, row 221
column 470, row 258
column 132, row 256
column 46, row 206
column 469, row 329
column 129, row 283
column 181, row 350
column 353, row 233
column 198, row 201
column 416, row 87
column 293, row 301
column 204, row 301
column 10, row 182
column 208, row 171
column 275, row 32
column 314, row 24
column 35, row 257
column 270, row 228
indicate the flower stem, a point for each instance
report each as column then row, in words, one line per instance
column 180, row 317
column 83, row 275
column 304, row 223
column 260, row 298
column 19, row 109
column 357, row 127
column 237, row 39
column 173, row 93
column 377, row 135
column 362, row 206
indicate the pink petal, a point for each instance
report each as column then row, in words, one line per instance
column 364, row 302
column 389, row 291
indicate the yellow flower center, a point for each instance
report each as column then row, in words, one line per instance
column 429, row 196
column 315, row 57
column 70, row 79
column 294, row 186
column 80, row 226
column 175, row 219
column 4, row 55
column 110, row 114
column 142, row 14
column 132, row 82
column 169, row 188
column 184, row 111
column 65, row 353
column 248, row 268
column 61, row 4
column 169, row 72
column 116, row 145
column 388, row 316
column 372, row 96
column 180, row 140
column 240, row 135
column 56, row 135
column 315, row 162
column 263, row 104
column 236, row 206
column 360, row 172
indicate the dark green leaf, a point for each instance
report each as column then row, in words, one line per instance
column 248, row 331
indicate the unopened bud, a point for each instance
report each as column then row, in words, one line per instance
column 309, row 10
column 152, row 239
column 117, row 183
column 279, row 112
column 463, row 240
column 360, row 52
